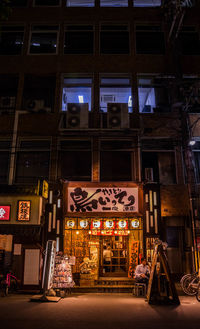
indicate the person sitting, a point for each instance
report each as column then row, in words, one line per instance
column 142, row 272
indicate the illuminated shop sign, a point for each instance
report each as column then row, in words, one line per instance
column 84, row 223
column 103, row 199
column 109, row 224
column 70, row 223
column 135, row 223
column 96, row 224
column 4, row 212
column 24, row 211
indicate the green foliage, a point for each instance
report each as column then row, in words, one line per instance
column 5, row 9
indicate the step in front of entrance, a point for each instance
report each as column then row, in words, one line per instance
column 104, row 288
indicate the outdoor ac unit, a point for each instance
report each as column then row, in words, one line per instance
column 77, row 116
column 117, row 116
column 148, row 172
column 7, row 102
column 36, row 105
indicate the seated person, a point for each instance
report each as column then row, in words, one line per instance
column 142, row 272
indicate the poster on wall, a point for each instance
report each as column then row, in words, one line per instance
column 102, row 199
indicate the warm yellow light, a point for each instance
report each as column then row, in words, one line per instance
column 77, row 232
column 90, row 232
column 129, row 232
column 115, row 232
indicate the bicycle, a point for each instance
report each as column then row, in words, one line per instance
column 198, row 288
column 8, row 285
column 189, row 283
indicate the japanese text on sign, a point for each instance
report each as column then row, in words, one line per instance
column 4, row 212
column 104, row 199
column 24, row 208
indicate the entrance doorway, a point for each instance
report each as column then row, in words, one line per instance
column 118, row 264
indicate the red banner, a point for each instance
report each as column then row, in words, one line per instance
column 4, row 212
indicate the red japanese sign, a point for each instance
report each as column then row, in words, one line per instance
column 4, row 212
column 24, row 209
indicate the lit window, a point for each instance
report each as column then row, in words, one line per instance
column 80, row 3
column 44, row 39
column 79, row 39
column 78, row 91
column 146, row 3
column 115, row 90
column 11, row 40
column 153, row 95
column 114, row 3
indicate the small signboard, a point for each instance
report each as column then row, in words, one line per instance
column 24, row 210
column 4, row 212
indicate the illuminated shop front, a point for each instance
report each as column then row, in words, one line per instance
column 101, row 218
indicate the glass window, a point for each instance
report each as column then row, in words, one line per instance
column 146, row 3
column 115, row 90
column 77, row 90
column 114, row 3
column 44, row 40
column 39, row 93
column 11, row 40
column 114, row 39
column 4, row 161
column 153, row 95
column 189, row 41
column 32, row 163
column 115, row 166
column 79, row 39
column 18, row 3
column 80, row 3
column 49, row 3
column 75, row 160
column 8, row 92
column 149, row 40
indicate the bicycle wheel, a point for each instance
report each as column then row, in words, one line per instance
column 198, row 292
column 188, row 284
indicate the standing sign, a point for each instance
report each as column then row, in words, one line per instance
column 103, row 199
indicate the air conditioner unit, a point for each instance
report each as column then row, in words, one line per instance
column 36, row 105
column 117, row 115
column 77, row 116
column 7, row 102
column 107, row 98
column 148, row 173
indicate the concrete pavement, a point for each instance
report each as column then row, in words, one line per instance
column 95, row 311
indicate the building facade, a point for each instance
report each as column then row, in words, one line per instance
column 92, row 100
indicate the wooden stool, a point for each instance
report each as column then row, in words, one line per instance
column 139, row 289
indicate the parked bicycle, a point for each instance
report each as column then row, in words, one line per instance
column 9, row 284
column 190, row 283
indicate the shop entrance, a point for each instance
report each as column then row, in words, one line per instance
column 114, row 256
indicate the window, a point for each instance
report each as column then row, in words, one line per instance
column 8, row 92
column 115, row 90
column 4, row 161
column 149, row 40
column 162, row 165
column 80, row 3
column 79, row 39
column 114, row 3
column 11, row 40
column 77, row 90
column 44, row 39
column 39, row 93
column 49, row 3
column 189, row 41
column 196, row 152
column 32, row 161
column 18, row 3
column 146, row 3
column 189, row 93
column 114, row 39
column 153, row 94
column 116, row 163
column 75, row 160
